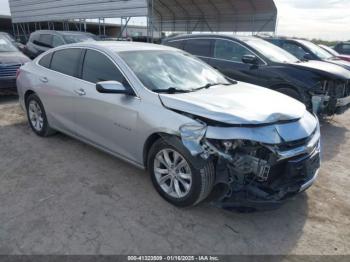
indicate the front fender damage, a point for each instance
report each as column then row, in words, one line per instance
column 259, row 168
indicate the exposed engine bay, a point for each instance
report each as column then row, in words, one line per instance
column 261, row 157
column 331, row 97
column 253, row 173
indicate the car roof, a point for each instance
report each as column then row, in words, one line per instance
column 228, row 36
column 61, row 32
column 121, row 46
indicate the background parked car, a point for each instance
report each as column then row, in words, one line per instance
column 164, row 110
column 322, row 87
column 306, row 50
column 43, row 40
column 10, row 61
column 343, row 48
column 19, row 45
column 335, row 53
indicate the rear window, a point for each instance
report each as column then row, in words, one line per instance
column 277, row 42
column 46, row 60
column 45, row 39
column 34, row 37
column 346, row 47
column 199, row 47
column 176, row 44
column 66, row 61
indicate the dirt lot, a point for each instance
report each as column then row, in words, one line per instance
column 59, row 196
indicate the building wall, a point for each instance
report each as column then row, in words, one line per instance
column 48, row 10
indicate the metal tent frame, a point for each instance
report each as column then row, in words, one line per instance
column 162, row 15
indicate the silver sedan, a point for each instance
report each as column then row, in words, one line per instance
column 198, row 133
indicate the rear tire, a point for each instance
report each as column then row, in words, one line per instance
column 175, row 176
column 37, row 117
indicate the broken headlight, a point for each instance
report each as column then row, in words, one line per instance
column 192, row 135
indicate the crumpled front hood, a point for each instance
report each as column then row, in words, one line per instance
column 13, row 58
column 324, row 68
column 240, row 104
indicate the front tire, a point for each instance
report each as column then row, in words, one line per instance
column 175, row 176
column 37, row 117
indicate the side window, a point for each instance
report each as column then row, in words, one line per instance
column 338, row 48
column 199, row 47
column 97, row 68
column 57, row 41
column 276, row 42
column 34, row 37
column 46, row 40
column 229, row 50
column 66, row 61
column 294, row 49
column 346, row 48
column 46, row 60
column 176, row 44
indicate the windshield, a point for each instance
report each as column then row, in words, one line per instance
column 77, row 38
column 330, row 50
column 6, row 45
column 270, row 51
column 8, row 36
column 315, row 49
column 162, row 70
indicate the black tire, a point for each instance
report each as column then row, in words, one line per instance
column 46, row 130
column 202, row 178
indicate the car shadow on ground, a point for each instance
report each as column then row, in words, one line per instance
column 96, row 181
column 8, row 97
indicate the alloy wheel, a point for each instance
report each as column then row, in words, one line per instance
column 36, row 115
column 173, row 173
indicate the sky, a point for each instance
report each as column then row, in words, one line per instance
column 324, row 19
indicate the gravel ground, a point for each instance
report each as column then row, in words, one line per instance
column 60, row 196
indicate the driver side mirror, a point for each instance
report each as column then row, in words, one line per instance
column 308, row 56
column 250, row 59
column 113, row 87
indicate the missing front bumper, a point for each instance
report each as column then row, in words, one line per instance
column 295, row 177
column 327, row 105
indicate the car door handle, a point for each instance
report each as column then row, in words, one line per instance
column 80, row 92
column 44, row 79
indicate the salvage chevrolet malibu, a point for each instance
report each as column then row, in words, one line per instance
column 198, row 133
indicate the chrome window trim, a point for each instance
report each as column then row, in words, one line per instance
column 86, row 48
column 219, row 38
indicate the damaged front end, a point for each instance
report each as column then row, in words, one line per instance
column 331, row 97
column 257, row 166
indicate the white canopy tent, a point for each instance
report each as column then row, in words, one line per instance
column 215, row 15
column 162, row 15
